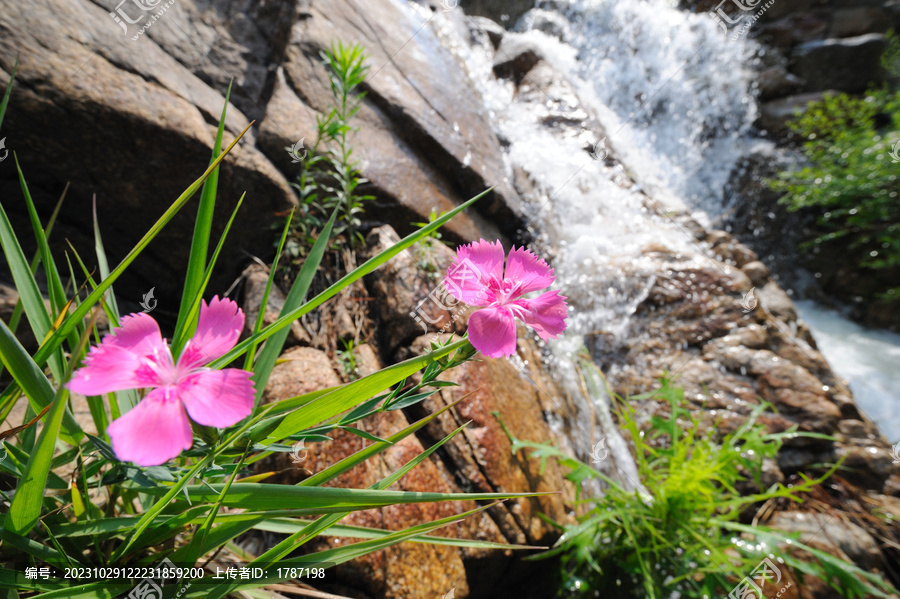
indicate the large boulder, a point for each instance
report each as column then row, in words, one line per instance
column 129, row 122
column 478, row 459
column 129, row 114
column 853, row 63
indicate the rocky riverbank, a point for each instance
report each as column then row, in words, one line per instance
column 102, row 105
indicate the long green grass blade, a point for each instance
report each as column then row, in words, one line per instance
column 200, row 240
column 262, row 496
column 102, row 262
column 194, row 307
column 357, row 274
column 120, row 401
column 50, row 345
column 9, row 87
column 26, row 505
column 29, row 293
column 344, row 398
column 286, row 526
column 339, row 555
column 270, row 280
column 17, row 311
column 157, row 508
column 294, row 300
column 54, row 283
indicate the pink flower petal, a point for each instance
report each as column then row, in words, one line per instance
column 218, row 329
column 469, row 274
column 217, row 398
column 492, row 331
column 130, row 357
column 528, row 270
column 546, row 314
column 154, row 431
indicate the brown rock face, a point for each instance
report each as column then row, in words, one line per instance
column 132, row 120
column 127, row 121
column 478, row 459
column 410, row 298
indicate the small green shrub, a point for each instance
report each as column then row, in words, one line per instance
column 852, row 145
column 676, row 535
column 330, row 178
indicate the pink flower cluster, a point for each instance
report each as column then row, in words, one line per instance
column 136, row 356
column 477, row 277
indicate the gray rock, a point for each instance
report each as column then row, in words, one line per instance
column 777, row 82
column 775, row 115
column 826, row 531
column 516, row 56
column 132, row 122
column 858, row 20
column 850, row 64
column 484, row 25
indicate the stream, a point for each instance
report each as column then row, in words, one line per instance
column 677, row 116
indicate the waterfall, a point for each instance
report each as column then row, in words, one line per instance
column 670, row 95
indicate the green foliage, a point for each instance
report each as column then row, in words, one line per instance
column 851, row 179
column 675, row 534
column 73, row 503
column 329, row 178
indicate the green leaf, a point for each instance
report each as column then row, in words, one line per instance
column 358, row 273
column 348, row 396
column 411, row 400
column 286, row 526
column 200, row 240
column 29, row 293
column 26, row 504
column 49, row 346
column 262, row 496
column 12, row 77
column 294, row 299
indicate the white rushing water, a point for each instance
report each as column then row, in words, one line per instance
column 672, row 96
column 869, row 360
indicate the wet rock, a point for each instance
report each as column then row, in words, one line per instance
column 484, row 25
column 774, row 299
column 853, row 63
column 859, row 20
column 506, row 12
column 410, row 297
column 833, row 535
column 777, row 82
column 869, row 467
column 796, row 27
column 516, row 56
column 892, row 488
column 550, row 22
column 775, row 115
column 757, row 272
column 859, row 430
